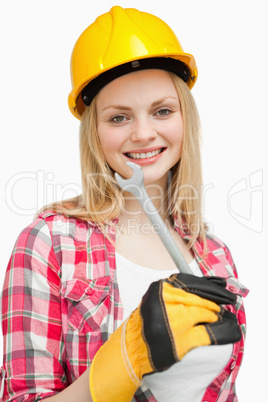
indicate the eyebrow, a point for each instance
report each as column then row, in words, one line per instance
column 154, row 104
column 157, row 102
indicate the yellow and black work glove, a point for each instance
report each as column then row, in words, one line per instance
column 175, row 315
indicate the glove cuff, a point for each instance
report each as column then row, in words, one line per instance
column 111, row 374
column 137, row 350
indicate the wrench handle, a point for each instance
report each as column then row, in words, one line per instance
column 163, row 232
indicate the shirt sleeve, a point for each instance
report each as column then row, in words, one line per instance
column 228, row 392
column 33, row 355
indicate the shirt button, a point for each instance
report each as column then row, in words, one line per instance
column 232, row 289
column 233, row 365
column 89, row 291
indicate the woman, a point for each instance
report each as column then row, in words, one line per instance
column 88, row 275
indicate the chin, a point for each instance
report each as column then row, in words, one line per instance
column 156, row 180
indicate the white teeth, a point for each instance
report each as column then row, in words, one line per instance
column 143, row 155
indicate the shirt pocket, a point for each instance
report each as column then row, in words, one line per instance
column 87, row 303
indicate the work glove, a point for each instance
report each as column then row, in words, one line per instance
column 175, row 315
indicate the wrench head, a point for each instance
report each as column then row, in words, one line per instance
column 134, row 182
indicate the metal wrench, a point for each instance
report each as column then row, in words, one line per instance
column 135, row 186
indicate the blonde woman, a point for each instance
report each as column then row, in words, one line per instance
column 93, row 307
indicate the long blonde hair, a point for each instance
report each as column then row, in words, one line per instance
column 102, row 200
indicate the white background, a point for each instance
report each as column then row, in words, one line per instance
column 39, row 137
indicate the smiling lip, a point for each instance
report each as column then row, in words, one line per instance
column 145, row 156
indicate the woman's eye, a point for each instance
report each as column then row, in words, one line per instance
column 163, row 112
column 118, row 119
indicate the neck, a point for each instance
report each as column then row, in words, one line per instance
column 133, row 209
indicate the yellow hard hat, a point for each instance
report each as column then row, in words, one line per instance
column 121, row 41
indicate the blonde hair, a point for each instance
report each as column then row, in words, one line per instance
column 102, row 200
column 186, row 191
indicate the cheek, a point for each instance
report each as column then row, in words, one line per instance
column 175, row 133
column 106, row 139
column 105, row 143
column 111, row 144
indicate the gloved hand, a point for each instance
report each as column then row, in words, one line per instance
column 175, row 315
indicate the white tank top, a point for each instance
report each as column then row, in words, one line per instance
column 187, row 380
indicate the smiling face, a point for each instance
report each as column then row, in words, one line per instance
column 139, row 120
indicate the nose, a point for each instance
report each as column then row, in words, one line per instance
column 143, row 130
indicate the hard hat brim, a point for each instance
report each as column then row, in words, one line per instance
column 184, row 67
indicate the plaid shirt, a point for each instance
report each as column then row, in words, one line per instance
column 60, row 303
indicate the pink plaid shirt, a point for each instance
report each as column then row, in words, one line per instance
column 60, row 303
